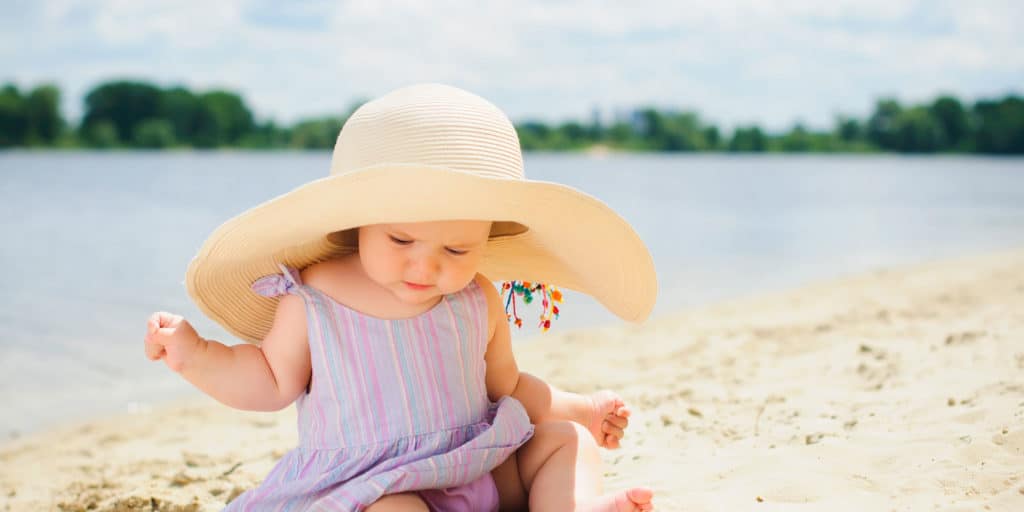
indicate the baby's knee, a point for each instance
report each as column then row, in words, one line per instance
column 562, row 432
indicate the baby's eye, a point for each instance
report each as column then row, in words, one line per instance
column 455, row 252
column 399, row 241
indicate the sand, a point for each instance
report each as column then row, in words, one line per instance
column 902, row 389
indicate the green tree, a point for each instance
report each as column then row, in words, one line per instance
column 154, row 134
column 316, row 133
column 796, row 140
column 533, row 135
column 13, row 118
column 182, row 109
column 124, row 104
column 916, row 131
column 689, row 131
column 595, row 130
column 747, row 139
column 102, row 135
column 849, row 129
column 882, row 125
column 672, row 131
column 222, row 119
column 42, row 112
column 621, row 134
column 952, row 119
column 267, row 135
column 999, row 125
column 574, row 134
column 712, row 137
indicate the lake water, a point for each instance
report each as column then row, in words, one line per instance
column 94, row 242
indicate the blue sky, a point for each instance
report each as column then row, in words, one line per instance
column 735, row 62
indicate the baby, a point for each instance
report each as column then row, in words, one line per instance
column 370, row 296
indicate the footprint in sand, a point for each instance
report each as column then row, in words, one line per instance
column 877, row 366
column 182, row 479
column 958, row 338
column 1010, row 440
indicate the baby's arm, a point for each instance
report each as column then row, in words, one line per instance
column 603, row 413
column 260, row 378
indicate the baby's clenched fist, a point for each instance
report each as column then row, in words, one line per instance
column 609, row 418
column 170, row 337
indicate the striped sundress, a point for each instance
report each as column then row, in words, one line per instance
column 393, row 406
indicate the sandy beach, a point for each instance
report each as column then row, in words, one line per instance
column 902, row 389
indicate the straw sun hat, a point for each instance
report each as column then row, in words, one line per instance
column 426, row 153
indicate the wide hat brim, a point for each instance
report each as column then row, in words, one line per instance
column 572, row 240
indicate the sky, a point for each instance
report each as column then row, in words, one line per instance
column 733, row 62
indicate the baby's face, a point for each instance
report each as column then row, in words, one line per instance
column 421, row 261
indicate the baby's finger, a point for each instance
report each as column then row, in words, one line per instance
column 165, row 319
column 623, row 411
column 154, row 351
column 609, row 428
column 153, row 323
column 618, row 421
column 611, row 442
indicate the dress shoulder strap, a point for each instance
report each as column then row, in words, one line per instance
column 276, row 285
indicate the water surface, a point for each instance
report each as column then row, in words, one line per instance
column 94, row 242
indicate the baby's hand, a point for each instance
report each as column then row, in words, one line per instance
column 609, row 418
column 171, row 338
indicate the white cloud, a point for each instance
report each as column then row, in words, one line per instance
column 741, row 61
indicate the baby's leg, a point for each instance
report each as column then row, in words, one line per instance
column 560, row 469
column 398, row 503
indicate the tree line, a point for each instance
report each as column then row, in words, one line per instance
column 136, row 114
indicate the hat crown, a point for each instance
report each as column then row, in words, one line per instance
column 430, row 125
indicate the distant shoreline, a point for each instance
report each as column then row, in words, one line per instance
column 596, row 150
column 141, row 114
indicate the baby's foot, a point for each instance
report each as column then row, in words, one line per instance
column 637, row 499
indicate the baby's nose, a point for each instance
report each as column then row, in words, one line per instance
column 425, row 269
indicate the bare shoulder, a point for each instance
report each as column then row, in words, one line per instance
column 326, row 275
column 490, row 290
column 289, row 318
column 495, row 311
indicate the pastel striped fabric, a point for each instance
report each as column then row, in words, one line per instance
column 393, row 405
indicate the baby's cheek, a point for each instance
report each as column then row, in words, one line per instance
column 459, row 278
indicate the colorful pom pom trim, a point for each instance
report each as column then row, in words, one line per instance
column 549, row 296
